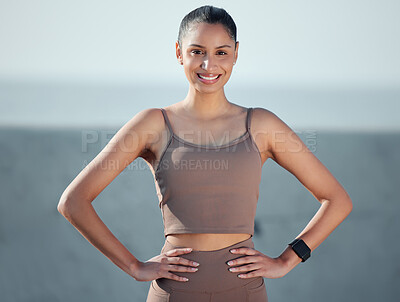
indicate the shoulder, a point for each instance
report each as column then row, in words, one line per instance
column 269, row 130
column 266, row 120
column 264, row 115
column 149, row 118
column 146, row 125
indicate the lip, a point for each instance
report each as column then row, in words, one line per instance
column 208, row 75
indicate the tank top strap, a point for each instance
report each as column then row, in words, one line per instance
column 167, row 120
column 248, row 119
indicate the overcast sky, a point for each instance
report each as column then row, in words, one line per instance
column 309, row 42
column 315, row 63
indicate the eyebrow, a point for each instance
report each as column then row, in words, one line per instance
column 200, row 46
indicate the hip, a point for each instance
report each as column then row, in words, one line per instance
column 213, row 280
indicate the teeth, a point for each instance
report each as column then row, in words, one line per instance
column 207, row 78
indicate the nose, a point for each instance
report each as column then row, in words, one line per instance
column 209, row 64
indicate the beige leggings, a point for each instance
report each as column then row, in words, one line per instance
column 213, row 282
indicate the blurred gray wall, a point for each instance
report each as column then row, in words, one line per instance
column 44, row 258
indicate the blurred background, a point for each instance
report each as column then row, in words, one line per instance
column 72, row 73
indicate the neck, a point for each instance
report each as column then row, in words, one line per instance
column 205, row 105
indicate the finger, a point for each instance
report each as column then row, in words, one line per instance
column 245, row 268
column 242, row 260
column 253, row 274
column 179, row 251
column 244, row 250
column 182, row 261
column 176, row 277
column 179, row 268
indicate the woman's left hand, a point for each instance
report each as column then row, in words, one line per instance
column 256, row 264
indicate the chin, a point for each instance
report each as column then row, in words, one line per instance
column 201, row 87
column 207, row 89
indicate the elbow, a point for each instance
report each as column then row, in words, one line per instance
column 342, row 202
column 69, row 205
column 63, row 204
column 347, row 205
column 349, row 202
column 66, row 204
column 350, row 205
column 61, row 208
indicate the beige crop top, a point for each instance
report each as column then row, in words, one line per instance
column 208, row 189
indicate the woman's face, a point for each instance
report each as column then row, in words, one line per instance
column 207, row 54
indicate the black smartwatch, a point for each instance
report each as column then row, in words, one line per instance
column 301, row 249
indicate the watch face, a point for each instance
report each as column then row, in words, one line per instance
column 301, row 249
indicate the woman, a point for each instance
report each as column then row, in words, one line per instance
column 207, row 185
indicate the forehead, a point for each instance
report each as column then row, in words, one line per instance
column 207, row 34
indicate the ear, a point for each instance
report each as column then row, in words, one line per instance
column 236, row 50
column 178, row 53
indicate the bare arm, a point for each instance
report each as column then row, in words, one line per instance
column 289, row 151
column 277, row 141
column 76, row 201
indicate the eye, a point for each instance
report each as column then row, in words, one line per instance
column 222, row 53
column 196, row 52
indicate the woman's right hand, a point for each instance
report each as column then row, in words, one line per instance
column 161, row 266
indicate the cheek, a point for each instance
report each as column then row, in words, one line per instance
column 191, row 65
column 226, row 61
column 193, row 61
column 190, row 70
column 227, row 65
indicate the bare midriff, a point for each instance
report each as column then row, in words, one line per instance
column 206, row 242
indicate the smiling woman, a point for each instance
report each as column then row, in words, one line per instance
column 208, row 53
column 208, row 192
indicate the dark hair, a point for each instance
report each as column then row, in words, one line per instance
column 207, row 14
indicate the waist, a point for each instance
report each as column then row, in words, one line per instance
column 213, row 275
column 206, row 242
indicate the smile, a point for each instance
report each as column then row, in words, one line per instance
column 208, row 78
